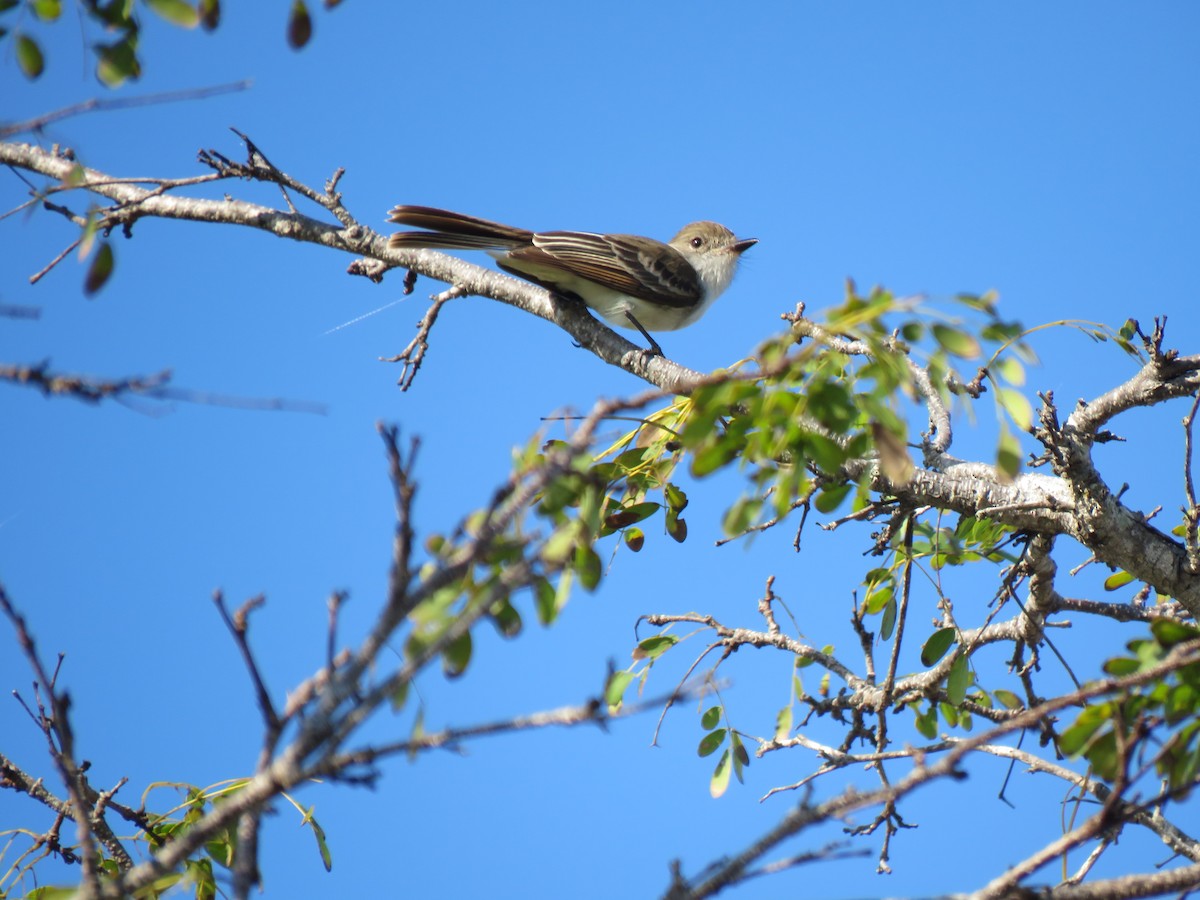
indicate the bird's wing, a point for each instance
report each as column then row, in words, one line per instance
column 624, row 263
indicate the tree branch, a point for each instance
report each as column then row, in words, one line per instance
column 132, row 202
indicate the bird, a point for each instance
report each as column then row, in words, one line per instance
column 631, row 281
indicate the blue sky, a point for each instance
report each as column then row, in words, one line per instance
column 1045, row 151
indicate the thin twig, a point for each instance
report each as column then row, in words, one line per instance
column 100, row 104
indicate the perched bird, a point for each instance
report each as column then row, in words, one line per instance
column 630, row 281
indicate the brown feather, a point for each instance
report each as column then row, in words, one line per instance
column 486, row 233
column 592, row 256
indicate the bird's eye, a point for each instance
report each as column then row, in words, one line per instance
column 697, row 242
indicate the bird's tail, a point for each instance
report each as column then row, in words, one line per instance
column 451, row 230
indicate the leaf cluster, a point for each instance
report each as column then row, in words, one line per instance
column 1155, row 726
column 118, row 51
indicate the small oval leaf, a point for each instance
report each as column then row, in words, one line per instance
column 1008, row 455
column 1016, row 405
column 953, row 340
column 654, row 647
column 720, row 779
column 177, row 12
column 100, row 269
column 710, row 742
column 936, row 646
column 1117, row 580
column 958, row 680
column 588, row 567
column 29, row 57
column 676, row 527
column 888, row 623
column 457, row 656
column 299, row 30
column 47, row 10
column 615, row 689
column 634, row 539
column 783, row 723
column 1008, row 698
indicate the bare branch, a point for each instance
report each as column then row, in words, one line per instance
column 100, row 104
column 82, row 387
column 414, row 354
column 733, row 868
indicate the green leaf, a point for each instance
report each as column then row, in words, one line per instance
column 783, row 723
column 629, row 515
column 710, row 718
column 827, row 453
column 1016, row 405
column 1076, row 737
column 563, row 592
column 615, row 689
column 956, row 341
column 712, row 458
column 1117, row 580
column 711, row 741
column 937, row 645
column 399, row 697
column 741, row 757
column 506, row 618
column 200, row 873
column 879, row 598
column 958, row 680
column 634, row 538
column 177, row 12
column 322, row 843
column 561, row 544
column 741, row 515
column 118, row 61
column 1169, row 633
column 888, row 623
column 1008, row 455
column 949, row 714
column 1008, row 699
column 676, row 527
column 1010, row 369
column 631, row 459
column 1103, row 756
column 100, row 269
column 720, row 778
column 654, row 647
column 1181, row 703
column 47, row 10
column 299, row 30
column 545, row 600
column 830, row 498
column 588, row 567
column 1121, row 666
column 1183, row 772
column 926, row 723
column 676, row 498
column 457, row 656
column 29, row 57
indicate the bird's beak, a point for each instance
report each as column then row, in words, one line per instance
column 742, row 246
